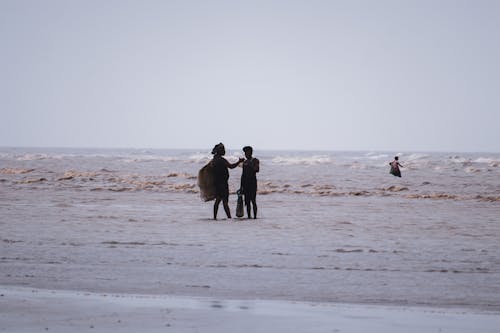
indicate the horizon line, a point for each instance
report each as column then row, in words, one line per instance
column 261, row 149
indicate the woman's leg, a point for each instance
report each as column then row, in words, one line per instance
column 226, row 208
column 216, row 207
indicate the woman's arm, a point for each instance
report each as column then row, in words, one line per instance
column 234, row 165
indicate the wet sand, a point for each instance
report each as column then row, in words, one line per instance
column 312, row 261
column 37, row 310
column 342, row 251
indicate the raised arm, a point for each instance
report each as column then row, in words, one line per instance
column 234, row 165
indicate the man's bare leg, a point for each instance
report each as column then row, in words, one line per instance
column 226, row 208
column 254, row 204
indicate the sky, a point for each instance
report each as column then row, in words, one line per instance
column 299, row 75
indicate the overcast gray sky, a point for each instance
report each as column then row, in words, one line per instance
column 320, row 75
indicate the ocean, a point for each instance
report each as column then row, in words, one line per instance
column 451, row 176
column 331, row 227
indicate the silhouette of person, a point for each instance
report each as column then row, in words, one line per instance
column 249, row 180
column 395, row 165
column 221, row 176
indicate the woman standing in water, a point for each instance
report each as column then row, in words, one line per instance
column 249, row 180
column 221, row 175
column 395, row 167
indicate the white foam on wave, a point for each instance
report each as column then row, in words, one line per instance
column 458, row 159
column 37, row 156
column 374, row 156
column 306, row 160
column 148, row 159
column 32, row 157
column 199, row 158
column 192, row 158
column 487, row 160
column 417, row 156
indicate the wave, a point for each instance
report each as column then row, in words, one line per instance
column 77, row 174
column 126, row 155
column 182, row 175
column 373, row 156
column 305, row 160
column 199, row 158
column 492, row 162
column 148, row 159
column 40, row 156
column 490, row 198
column 196, row 158
column 435, row 196
column 417, row 156
column 31, row 180
column 352, row 160
column 32, row 157
column 14, row 171
column 182, row 182
column 470, row 169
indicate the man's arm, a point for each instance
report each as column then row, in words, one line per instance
column 256, row 165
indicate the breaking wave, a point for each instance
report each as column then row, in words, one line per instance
column 183, row 182
column 14, row 171
column 492, row 162
column 308, row 160
column 357, row 174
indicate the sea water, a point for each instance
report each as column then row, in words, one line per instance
column 332, row 226
column 453, row 176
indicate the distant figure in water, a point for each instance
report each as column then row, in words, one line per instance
column 395, row 167
column 221, row 176
column 249, row 180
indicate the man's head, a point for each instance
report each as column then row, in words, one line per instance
column 248, row 151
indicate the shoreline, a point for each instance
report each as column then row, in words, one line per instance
column 204, row 293
column 30, row 309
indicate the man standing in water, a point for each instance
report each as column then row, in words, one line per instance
column 249, row 180
column 221, row 176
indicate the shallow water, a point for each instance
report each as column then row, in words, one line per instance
column 34, row 310
column 472, row 176
column 333, row 227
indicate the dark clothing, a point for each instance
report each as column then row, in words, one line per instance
column 221, row 176
column 249, row 181
column 395, row 169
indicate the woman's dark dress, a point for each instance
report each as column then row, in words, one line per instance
column 395, row 169
column 221, row 176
